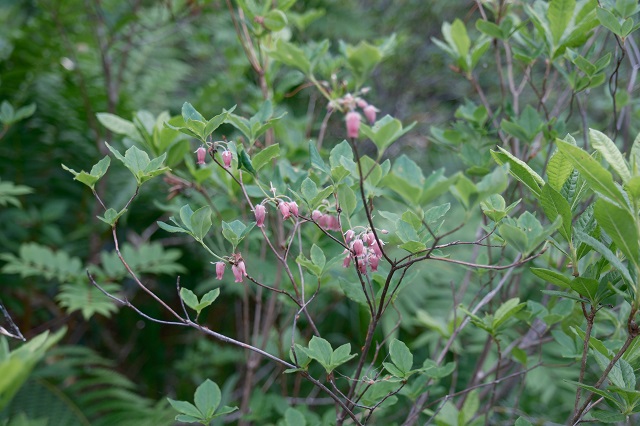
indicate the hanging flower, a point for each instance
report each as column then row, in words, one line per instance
column 284, row 209
column 220, row 269
column 260, row 211
column 370, row 112
column 201, row 154
column 353, row 124
column 293, row 208
column 226, row 158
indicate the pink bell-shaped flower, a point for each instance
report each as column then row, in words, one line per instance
column 201, row 154
column 353, row 124
column 260, row 211
column 239, row 271
column 293, row 208
column 370, row 112
column 220, row 269
column 358, row 247
column 226, row 159
column 284, row 209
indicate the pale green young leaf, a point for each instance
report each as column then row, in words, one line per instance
column 459, row 38
column 558, row 170
column 189, row 298
column 605, row 146
column 608, row 20
column 320, row 350
column 309, row 189
column 291, row 55
column 341, row 355
column 116, row 124
column 209, row 297
column 634, row 157
column 189, row 113
column 507, row 310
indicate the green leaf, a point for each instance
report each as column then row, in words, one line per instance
column 209, row 297
column 117, row 124
column 263, row 157
column 234, row 232
column 555, row 205
column 293, row 417
column 185, row 407
column 309, row 189
column 216, row 122
column 401, row 356
column 171, row 228
column 320, row 350
column 207, row 398
column 521, row 421
column 347, row 199
column 558, row 170
column 460, row 38
column 201, row 222
column 189, row 298
column 97, row 171
column 490, row 29
column 559, row 14
column 244, row 162
column 385, row 131
column 311, row 266
column 553, row 277
column 362, row 59
column 608, row 20
column 111, row 216
column 586, row 287
column 598, row 178
column 317, row 256
column 605, row 252
column 189, row 113
column 620, row 225
column 316, row 159
column 507, row 310
column 291, row 55
column 605, row 146
column 520, row 170
column 341, row 355
column 185, row 216
column 275, row 20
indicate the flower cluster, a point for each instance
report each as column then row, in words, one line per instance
column 353, row 118
column 364, row 249
column 237, row 267
column 326, row 221
column 287, row 209
column 201, row 155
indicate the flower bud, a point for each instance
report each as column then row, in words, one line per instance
column 370, row 112
column 353, row 124
column 349, row 235
column 293, row 208
column 347, row 261
column 373, row 262
column 220, row 269
column 316, row 215
column 358, row 247
column 284, row 209
column 201, row 154
column 260, row 212
column 226, row 159
column 334, row 223
column 362, row 265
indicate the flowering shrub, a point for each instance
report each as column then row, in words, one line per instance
column 367, row 287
